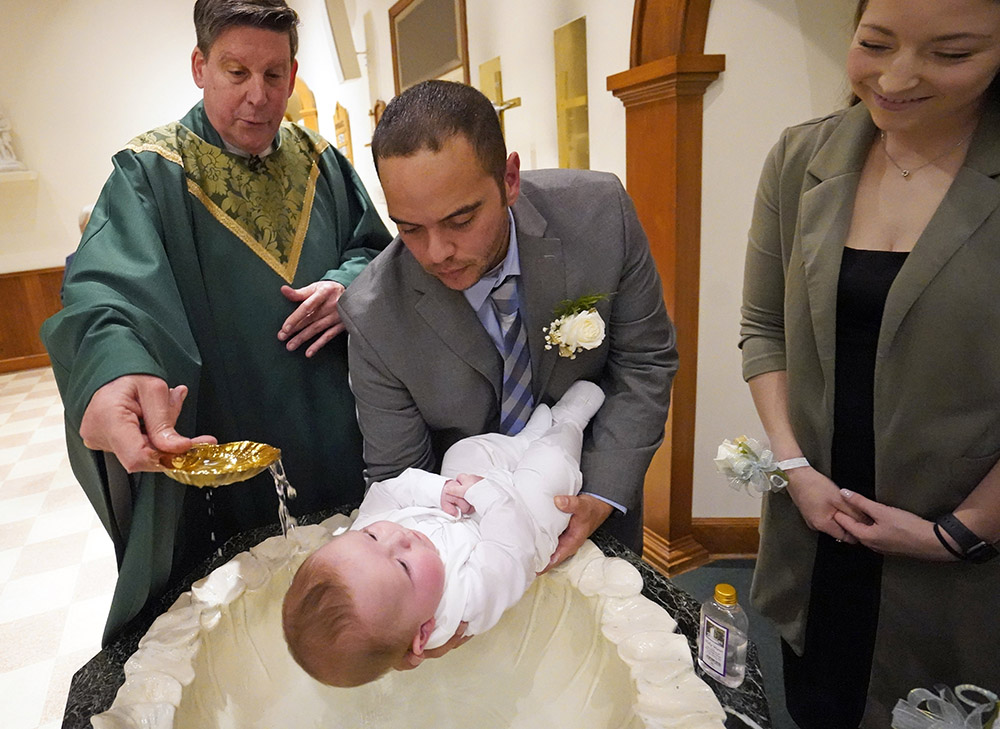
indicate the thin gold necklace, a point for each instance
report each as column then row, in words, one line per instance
column 905, row 171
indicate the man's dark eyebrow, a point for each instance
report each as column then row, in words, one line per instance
column 464, row 210
column 936, row 39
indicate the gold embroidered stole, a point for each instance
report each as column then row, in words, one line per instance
column 268, row 210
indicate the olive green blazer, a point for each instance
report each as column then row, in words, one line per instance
column 937, row 390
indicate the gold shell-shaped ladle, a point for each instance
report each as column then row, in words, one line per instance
column 211, row 465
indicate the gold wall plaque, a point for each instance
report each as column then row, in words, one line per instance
column 301, row 106
column 342, row 129
column 491, row 83
column 572, row 123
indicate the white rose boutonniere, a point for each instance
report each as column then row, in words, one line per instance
column 577, row 326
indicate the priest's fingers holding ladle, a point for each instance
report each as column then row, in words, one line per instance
column 133, row 417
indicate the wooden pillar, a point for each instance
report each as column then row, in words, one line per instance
column 662, row 93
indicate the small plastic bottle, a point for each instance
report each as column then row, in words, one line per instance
column 722, row 639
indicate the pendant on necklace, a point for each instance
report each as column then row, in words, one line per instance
column 905, row 173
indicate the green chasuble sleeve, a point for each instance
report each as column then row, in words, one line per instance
column 178, row 275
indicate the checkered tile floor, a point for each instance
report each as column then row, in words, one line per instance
column 57, row 564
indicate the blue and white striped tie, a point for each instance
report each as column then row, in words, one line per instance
column 515, row 401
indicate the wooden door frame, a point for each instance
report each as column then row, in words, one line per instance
column 662, row 91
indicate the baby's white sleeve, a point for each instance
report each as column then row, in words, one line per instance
column 413, row 487
column 501, row 566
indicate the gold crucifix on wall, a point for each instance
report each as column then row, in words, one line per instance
column 491, row 84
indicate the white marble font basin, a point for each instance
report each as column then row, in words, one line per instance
column 582, row 650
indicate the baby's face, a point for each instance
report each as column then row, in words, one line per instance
column 395, row 574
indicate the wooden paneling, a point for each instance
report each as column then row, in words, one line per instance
column 28, row 298
column 728, row 537
column 710, row 539
column 662, row 92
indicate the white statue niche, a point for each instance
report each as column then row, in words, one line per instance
column 8, row 159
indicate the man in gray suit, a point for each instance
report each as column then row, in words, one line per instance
column 434, row 358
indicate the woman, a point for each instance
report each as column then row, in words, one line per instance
column 871, row 343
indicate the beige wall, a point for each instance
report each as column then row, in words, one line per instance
column 520, row 32
column 79, row 78
column 784, row 65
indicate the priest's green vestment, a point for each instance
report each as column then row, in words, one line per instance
column 178, row 276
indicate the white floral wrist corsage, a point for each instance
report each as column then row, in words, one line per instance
column 577, row 326
column 749, row 465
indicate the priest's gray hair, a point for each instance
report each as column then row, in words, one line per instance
column 211, row 17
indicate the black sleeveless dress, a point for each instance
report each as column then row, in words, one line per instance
column 826, row 687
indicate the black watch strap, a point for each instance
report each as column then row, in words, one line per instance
column 946, row 544
column 973, row 548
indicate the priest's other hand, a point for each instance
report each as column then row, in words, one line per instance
column 134, row 417
column 588, row 513
column 317, row 315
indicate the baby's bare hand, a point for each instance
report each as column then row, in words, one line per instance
column 467, row 479
column 453, row 494
column 460, row 484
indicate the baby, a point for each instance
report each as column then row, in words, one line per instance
column 429, row 551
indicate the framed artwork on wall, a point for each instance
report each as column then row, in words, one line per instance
column 429, row 40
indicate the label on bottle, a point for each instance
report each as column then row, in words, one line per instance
column 713, row 646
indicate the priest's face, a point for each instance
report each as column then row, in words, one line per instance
column 451, row 214
column 247, row 78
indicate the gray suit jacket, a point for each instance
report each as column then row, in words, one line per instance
column 937, row 390
column 425, row 373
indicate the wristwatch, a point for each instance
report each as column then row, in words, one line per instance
column 973, row 548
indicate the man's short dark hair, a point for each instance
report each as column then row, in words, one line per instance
column 211, row 17
column 427, row 115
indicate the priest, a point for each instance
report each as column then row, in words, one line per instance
column 203, row 301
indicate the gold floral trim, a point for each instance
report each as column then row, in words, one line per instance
column 162, row 151
column 268, row 210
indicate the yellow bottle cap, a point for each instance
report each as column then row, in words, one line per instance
column 725, row 594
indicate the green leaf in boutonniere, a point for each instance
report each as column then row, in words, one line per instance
column 568, row 307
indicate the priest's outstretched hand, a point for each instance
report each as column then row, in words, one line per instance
column 134, row 417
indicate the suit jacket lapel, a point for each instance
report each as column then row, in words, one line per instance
column 543, row 287
column 972, row 197
column 453, row 320
column 825, row 219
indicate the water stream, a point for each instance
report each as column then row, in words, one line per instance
column 285, row 492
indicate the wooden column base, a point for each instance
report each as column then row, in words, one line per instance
column 672, row 557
